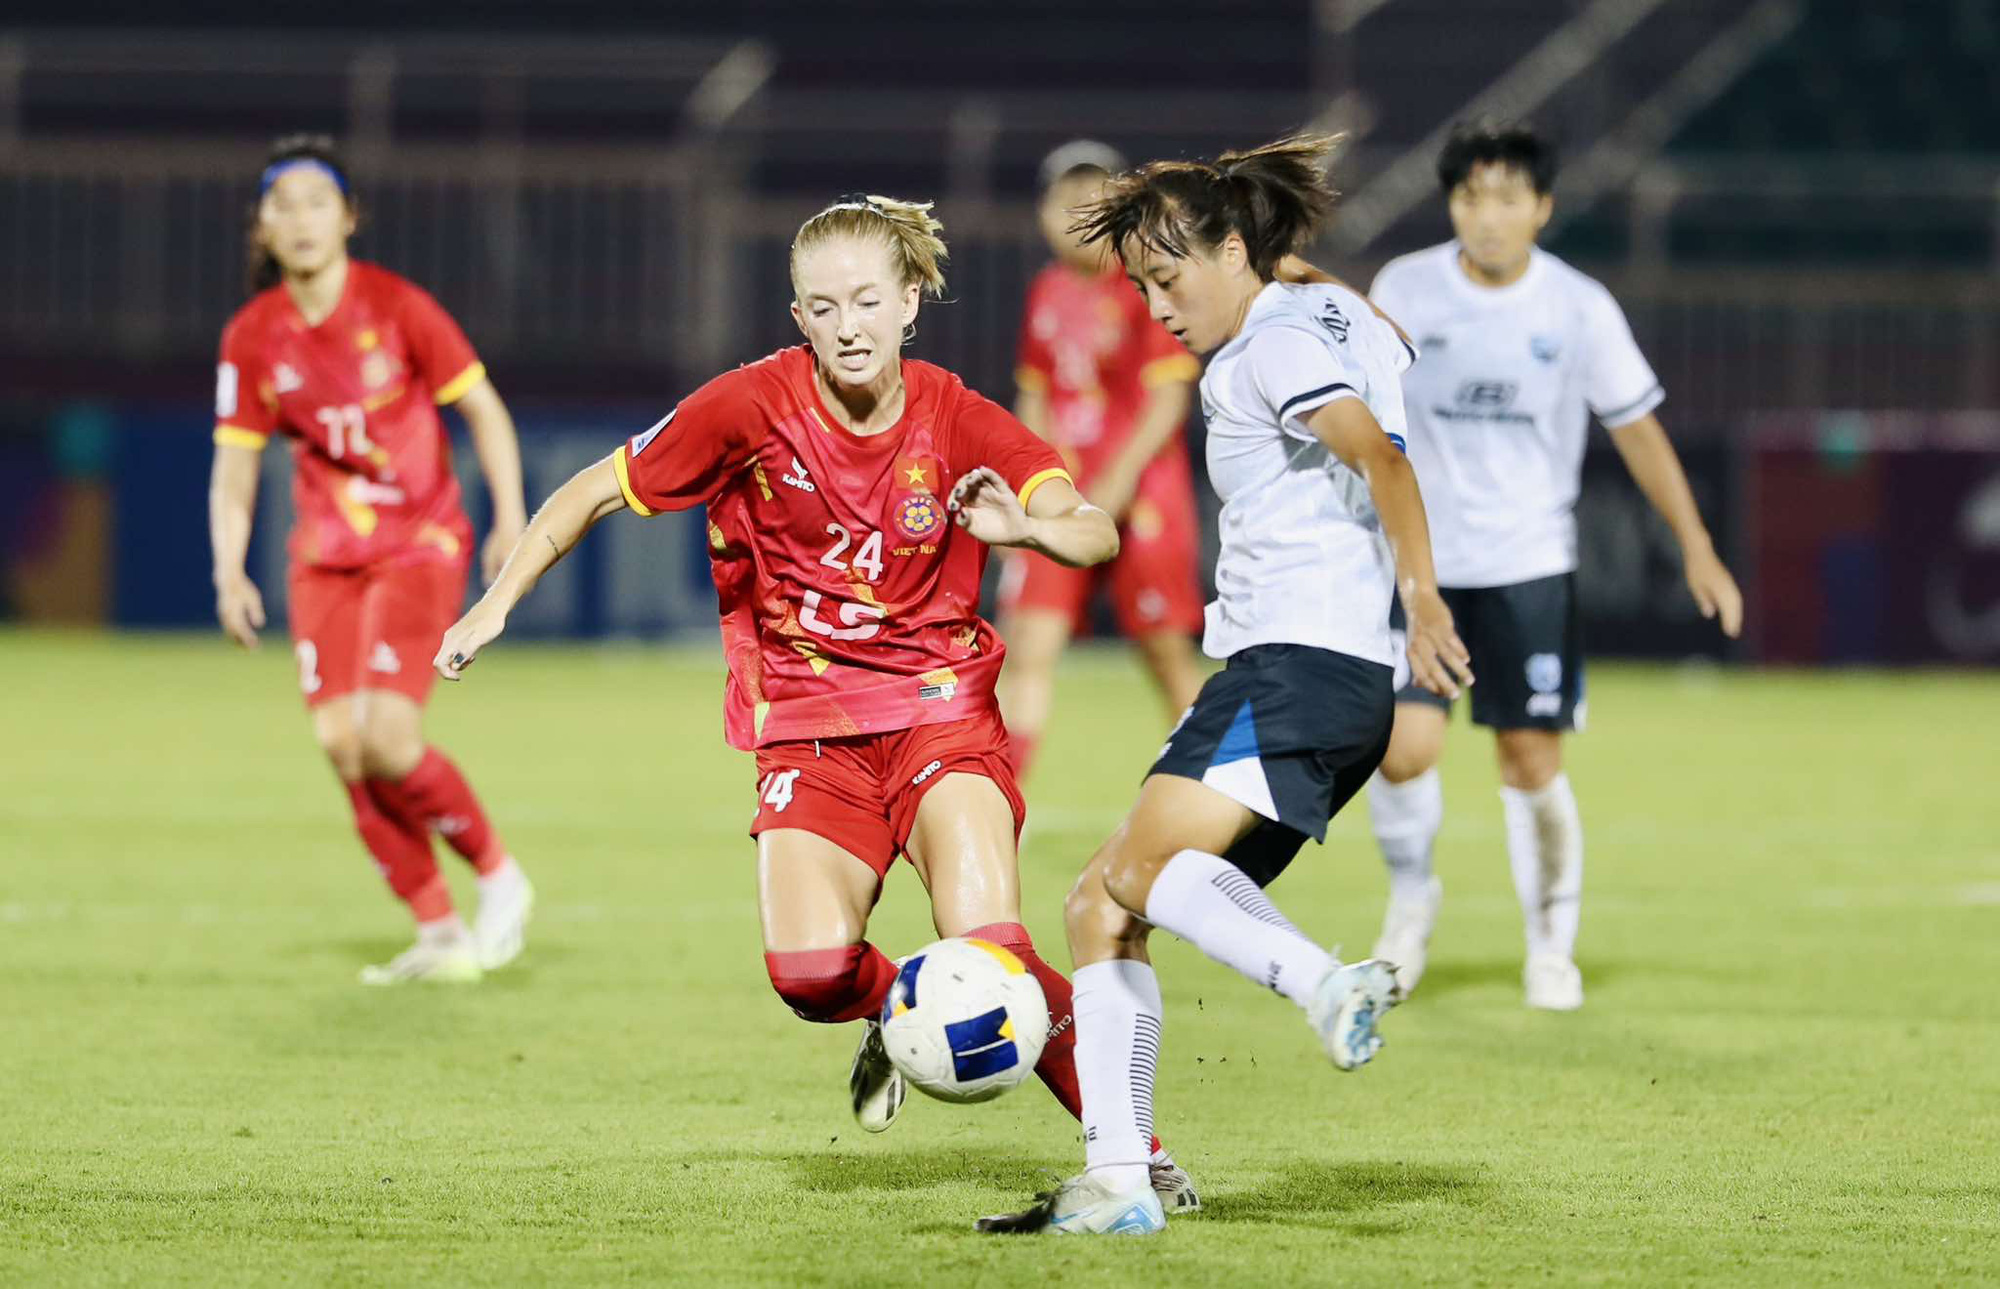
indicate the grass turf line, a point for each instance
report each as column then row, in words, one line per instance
column 1787, row 1071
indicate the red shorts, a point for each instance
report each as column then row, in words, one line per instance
column 862, row 793
column 375, row 627
column 1155, row 583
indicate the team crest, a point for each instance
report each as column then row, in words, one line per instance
column 1546, row 349
column 375, row 369
column 919, row 516
column 1545, row 672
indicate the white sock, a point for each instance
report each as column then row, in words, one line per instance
column 1210, row 903
column 504, row 877
column 446, row 930
column 1117, row 1010
column 1545, row 850
column 1406, row 817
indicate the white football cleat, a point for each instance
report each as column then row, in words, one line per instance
column 1553, row 983
column 874, row 1083
column 1345, row 1008
column 1085, row 1206
column 1174, row 1187
column 449, row 962
column 1406, row 935
column 500, row 930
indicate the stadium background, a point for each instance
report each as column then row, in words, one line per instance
column 1788, row 1071
column 1797, row 202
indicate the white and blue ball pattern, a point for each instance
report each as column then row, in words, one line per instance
column 965, row 1021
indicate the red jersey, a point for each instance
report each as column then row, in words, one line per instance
column 359, row 396
column 1089, row 344
column 849, row 597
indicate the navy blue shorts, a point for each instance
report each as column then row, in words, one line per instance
column 1290, row 732
column 1527, row 654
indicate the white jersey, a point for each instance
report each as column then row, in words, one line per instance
column 1500, row 406
column 1303, row 557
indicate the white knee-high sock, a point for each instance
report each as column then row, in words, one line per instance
column 1118, row 1012
column 1545, row 850
column 1407, row 816
column 1210, row 903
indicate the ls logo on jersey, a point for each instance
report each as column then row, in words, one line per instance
column 1546, row 349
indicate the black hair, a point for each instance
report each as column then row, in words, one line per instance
column 1512, row 144
column 1274, row 197
column 265, row 270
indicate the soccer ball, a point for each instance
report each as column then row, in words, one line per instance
column 965, row 1021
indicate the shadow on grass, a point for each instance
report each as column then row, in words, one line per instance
column 361, row 950
column 1448, row 976
column 834, row 1172
column 1305, row 1191
column 1444, row 976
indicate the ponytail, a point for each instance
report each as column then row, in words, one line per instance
column 916, row 250
column 1275, row 198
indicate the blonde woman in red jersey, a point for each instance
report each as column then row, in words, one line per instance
column 351, row 363
column 1110, row 388
column 852, row 495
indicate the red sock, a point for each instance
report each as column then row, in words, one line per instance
column 403, row 855
column 1021, row 751
column 1058, row 1064
column 831, row 985
column 435, row 796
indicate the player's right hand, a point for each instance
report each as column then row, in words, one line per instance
column 481, row 625
column 1439, row 660
column 240, row 609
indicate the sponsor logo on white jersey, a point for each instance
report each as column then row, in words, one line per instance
column 384, row 659
column 798, row 478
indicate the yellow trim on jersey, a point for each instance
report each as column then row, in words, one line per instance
column 235, row 436
column 624, row 473
column 1173, row 367
column 1039, row 478
column 1029, row 378
column 461, row 385
column 376, row 402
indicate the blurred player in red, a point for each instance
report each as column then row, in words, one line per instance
column 851, row 496
column 351, row 363
column 1110, row 388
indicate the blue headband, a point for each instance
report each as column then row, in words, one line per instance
column 277, row 168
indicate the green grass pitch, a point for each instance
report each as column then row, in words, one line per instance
column 1788, row 1071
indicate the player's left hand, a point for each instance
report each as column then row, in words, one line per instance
column 1715, row 591
column 983, row 505
column 498, row 546
column 481, row 625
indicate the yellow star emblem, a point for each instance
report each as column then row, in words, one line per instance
column 915, row 474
